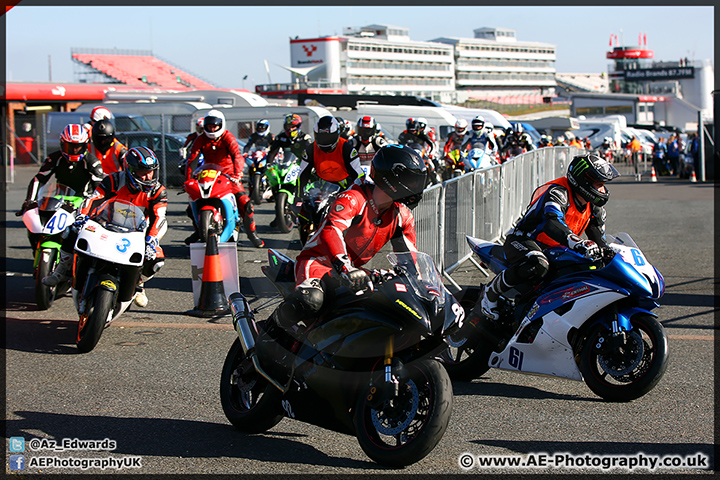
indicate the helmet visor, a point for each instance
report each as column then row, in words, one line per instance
column 74, row 151
column 326, row 141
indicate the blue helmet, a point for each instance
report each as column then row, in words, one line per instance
column 138, row 162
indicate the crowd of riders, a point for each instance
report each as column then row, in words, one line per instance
column 381, row 182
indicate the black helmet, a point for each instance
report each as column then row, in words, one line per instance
column 400, row 173
column 138, row 162
column 103, row 134
column 586, row 170
column 327, row 133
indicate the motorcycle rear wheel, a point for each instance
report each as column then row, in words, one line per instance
column 405, row 432
column 45, row 295
column 283, row 215
column 249, row 401
column 629, row 372
column 89, row 331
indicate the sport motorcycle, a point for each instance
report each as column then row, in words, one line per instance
column 589, row 319
column 258, row 187
column 109, row 255
column 282, row 177
column 365, row 366
column 212, row 203
column 46, row 220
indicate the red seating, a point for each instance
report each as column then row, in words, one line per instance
column 132, row 69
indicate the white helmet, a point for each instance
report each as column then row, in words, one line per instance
column 461, row 126
column 100, row 113
column 214, row 118
column 478, row 123
column 489, row 127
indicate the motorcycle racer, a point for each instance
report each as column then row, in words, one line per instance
column 261, row 137
column 367, row 140
column 106, row 147
column 220, row 147
column 136, row 183
column 291, row 138
column 72, row 166
column 559, row 212
column 363, row 219
column 333, row 158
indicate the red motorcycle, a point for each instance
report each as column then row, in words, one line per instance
column 212, row 203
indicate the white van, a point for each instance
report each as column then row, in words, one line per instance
column 392, row 118
column 241, row 120
column 490, row 116
column 596, row 130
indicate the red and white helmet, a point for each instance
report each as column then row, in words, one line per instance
column 461, row 126
column 199, row 125
column 100, row 113
column 74, row 142
column 366, row 128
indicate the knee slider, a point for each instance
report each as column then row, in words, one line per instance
column 534, row 267
column 249, row 209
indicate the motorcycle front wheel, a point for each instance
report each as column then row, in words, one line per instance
column 469, row 350
column 256, row 190
column 45, row 295
column 407, row 428
column 628, row 370
column 283, row 215
column 249, row 401
column 90, row 328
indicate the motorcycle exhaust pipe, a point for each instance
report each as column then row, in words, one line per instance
column 243, row 321
column 242, row 318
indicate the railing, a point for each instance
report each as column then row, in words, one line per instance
column 483, row 204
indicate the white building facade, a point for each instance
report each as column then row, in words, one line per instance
column 495, row 63
column 382, row 59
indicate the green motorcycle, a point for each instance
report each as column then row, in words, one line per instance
column 46, row 220
column 282, row 176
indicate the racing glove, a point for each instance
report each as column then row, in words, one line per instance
column 25, row 207
column 586, row 248
column 80, row 220
column 151, row 246
column 355, row 279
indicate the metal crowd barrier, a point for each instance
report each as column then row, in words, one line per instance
column 484, row 204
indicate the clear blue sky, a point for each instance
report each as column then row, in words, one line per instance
column 222, row 44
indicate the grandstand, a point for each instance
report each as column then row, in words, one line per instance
column 132, row 67
column 583, row 82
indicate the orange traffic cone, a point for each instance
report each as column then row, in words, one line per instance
column 693, row 178
column 212, row 301
column 653, row 175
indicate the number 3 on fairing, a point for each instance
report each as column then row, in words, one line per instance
column 515, row 358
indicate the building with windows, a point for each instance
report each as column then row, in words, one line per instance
column 495, row 63
column 382, row 59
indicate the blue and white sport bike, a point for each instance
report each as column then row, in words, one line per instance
column 588, row 320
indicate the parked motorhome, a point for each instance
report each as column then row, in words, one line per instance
column 392, row 118
column 177, row 115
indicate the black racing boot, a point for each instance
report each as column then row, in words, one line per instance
column 193, row 238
